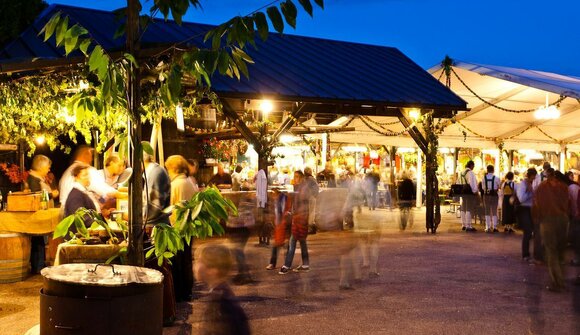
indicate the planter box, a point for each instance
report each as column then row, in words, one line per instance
column 23, row 202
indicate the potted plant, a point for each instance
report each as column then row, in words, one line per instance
column 199, row 217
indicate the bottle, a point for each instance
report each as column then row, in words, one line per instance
column 44, row 200
column 1, row 202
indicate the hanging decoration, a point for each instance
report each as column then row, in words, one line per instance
column 447, row 66
column 386, row 132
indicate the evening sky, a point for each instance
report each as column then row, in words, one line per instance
column 530, row 34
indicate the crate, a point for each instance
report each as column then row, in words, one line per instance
column 23, row 201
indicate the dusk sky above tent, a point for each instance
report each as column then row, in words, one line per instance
column 528, row 34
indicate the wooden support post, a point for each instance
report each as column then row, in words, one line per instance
column 135, row 252
column 456, row 163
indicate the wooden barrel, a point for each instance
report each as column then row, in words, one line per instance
column 14, row 257
column 50, row 250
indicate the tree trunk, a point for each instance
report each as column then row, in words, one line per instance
column 135, row 253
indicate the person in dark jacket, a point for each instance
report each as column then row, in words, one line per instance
column 36, row 182
column 79, row 196
column 407, row 195
column 223, row 315
column 372, row 179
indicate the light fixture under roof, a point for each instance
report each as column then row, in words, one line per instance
column 547, row 112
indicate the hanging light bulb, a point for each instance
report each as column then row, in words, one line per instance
column 547, row 112
column 179, row 117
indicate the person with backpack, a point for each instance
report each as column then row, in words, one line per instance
column 508, row 215
column 522, row 200
column 489, row 187
column 468, row 196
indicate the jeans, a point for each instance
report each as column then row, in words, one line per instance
column 37, row 254
column 554, row 234
column 239, row 237
column 524, row 219
column 274, row 256
column 292, row 250
column 372, row 198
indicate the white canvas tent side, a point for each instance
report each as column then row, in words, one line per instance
column 485, row 126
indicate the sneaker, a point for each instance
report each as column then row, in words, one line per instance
column 270, row 267
column 302, row 268
column 345, row 288
column 283, row 270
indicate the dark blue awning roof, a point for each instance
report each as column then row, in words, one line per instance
column 289, row 67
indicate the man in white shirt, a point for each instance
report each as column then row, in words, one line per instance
column 540, row 177
column 469, row 200
column 490, row 186
column 109, row 175
column 84, row 156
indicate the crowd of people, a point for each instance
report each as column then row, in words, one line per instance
column 543, row 205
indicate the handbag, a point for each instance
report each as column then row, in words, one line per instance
column 459, row 189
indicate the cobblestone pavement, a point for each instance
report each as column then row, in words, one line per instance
column 448, row 283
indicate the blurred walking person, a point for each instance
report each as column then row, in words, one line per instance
column 522, row 201
column 468, row 196
column 407, row 195
column 551, row 208
column 490, row 186
column 372, row 179
column 508, row 217
column 302, row 194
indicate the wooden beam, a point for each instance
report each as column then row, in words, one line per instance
column 414, row 132
column 235, row 134
column 240, row 125
column 289, row 122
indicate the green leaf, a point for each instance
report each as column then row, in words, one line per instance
column 63, row 226
column 241, row 65
column 320, row 3
column 223, row 61
column 290, row 13
column 84, row 45
column 276, row 18
column 61, row 30
column 147, row 147
column 120, row 30
column 131, row 59
column 244, row 56
column 103, row 67
column 95, row 58
column 50, row 26
column 307, row 6
column 262, row 25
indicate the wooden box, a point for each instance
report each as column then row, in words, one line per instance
column 23, row 202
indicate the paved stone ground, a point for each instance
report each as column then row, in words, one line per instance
column 449, row 283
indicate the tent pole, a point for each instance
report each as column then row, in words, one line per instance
column 419, row 197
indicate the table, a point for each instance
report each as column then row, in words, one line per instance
column 329, row 208
column 74, row 253
column 41, row 222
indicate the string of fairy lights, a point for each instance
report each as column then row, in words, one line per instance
column 449, row 71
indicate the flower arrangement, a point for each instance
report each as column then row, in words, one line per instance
column 221, row 150
column 12, row 171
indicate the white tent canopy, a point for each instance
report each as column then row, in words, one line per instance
column 484, row 125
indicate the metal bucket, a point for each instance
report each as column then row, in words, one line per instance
column 14, row 257
column 92, row 299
